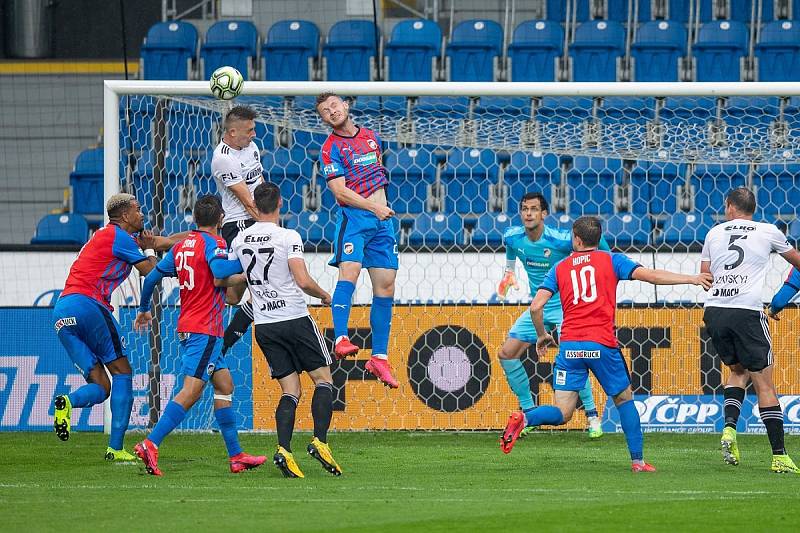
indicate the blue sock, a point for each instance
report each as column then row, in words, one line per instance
column 226, row 420
column 519, row 382
column 587, row 399
column 173, row 415
column 121, row 403
column 629, row 419
column 380, row 320
column 340, row 307
column 544, row 415
column 88, row 395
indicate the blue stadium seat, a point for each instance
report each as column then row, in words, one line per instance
column 503, row 105
column 720, row 46
column 641, row 189
column 591, row 181
column 564, row 108
column 350, row 49
column 594, row 52
column 178, row 222
column 315, row 228
column 453, row 106
column 559, row 220
column 778, row 51
column 794, row 231
column 473, row 50
column 411, row 171
column 741, row 9
column 233, row 43
column 530, row 172
column 677, row 10
column 685, row 228
column 534, row 49
column 664, row 179
column 658, row 46
column 67, row 228
column 191, row 130
column 414, row 46
column 778, row 189
column 627, row 229
column 626, row 109
column 489, row 229
column 556, row 10
column 712, row 182
column 288, row 53
column 168, row 50
column 436, row 229
column 291, row 170
column 137, row 134
column 86, row 180
column 466, row 176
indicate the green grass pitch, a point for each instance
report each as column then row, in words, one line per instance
column 399, row 482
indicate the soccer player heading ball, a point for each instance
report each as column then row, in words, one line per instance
column 365, row 230
column 586, row 282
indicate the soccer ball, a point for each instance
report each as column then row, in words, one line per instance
column 226, row 83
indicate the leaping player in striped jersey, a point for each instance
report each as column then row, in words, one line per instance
column 365, row 230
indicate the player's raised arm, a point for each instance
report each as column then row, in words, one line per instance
column 782, row 298
column 346, row 196
column 665, row 277
column 165, row 268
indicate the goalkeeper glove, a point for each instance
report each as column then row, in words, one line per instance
column 509, row 280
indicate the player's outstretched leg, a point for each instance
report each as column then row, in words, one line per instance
column 238, row 325
column 85, row 396
column 546, row 415
column 322, row 412
column 632, row 427
column 284, row 421
column 587, row 398
column 121, row 404
column 734, row 396
column 341, row 302
column 380, row 321
column 173, row 415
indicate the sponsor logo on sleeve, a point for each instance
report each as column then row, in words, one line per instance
column 329, row 169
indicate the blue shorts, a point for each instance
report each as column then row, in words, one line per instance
column 523, row 329
column 201, row 355
column 576, row 358
column 362, row 238
column 89, row 332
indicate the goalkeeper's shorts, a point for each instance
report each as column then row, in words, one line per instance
column 523, row 329
column 362, row 238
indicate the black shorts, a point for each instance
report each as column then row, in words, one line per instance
column 292, row 346
column 231, row 229
column 740, row 336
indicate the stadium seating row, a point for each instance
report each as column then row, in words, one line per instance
column 293, row 52
column 438, row 229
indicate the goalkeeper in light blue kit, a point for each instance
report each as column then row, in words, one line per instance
column 538, row 247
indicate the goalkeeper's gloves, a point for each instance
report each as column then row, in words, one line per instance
column 509, row 280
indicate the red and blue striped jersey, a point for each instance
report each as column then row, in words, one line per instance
column 202, row 303
column 587, row 285
column 357, row 158
column 103, row 264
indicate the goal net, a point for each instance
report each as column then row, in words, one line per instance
column 653, row 161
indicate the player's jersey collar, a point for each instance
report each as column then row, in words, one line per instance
column 358, row 130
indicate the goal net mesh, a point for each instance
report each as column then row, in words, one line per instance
column 656, row 170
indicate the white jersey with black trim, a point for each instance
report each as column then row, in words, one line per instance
column 230, row 166
column 264, row 250
column 739, row 254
